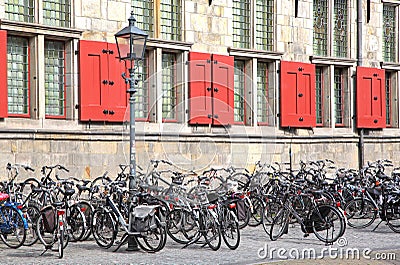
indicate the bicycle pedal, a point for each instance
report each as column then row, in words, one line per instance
column 306, row 235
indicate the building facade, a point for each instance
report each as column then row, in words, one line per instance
column 223, row 82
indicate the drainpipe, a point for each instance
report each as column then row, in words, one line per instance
column 359, row 63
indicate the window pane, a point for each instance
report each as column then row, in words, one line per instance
column 142, row 98
column 340, row 34
column 262, row 92
column 56, row 13
column 168, row 86
column 339, row 96
column 171, row 19
column 318, row 92
column 264, row 24
column 143, row 11
column 239, row 91
column 20, row 10
column 54, row 61
column 389, row 33
column 320, row 27
column 388, row 88
column 18, row 75
column 241, row 23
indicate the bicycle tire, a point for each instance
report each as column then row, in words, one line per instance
column 242, row 179
column 270, row 210
column 279, row 225
column 256, row 213
column 14, row 234
column 360, row 213
column 326, row 219
column 87, row 210
column 76, row 222
column 230, row 229
column 211, row 231
column 180, row 226
column 60, row 246
column 32, row 214
column 154, row 240
column 392, row 214
column 103, row 228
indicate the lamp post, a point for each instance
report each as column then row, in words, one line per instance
column 131, row 44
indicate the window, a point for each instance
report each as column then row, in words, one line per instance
column 339, row 95
column 241, row 23
column 54, row 60
column 319, row 94
column 20, row 10
column 144, row 14
column 389, row 33
column 264, row 28
column 142, row 94
column 340, row 30
column 18, row 75
column 170, row 19
column 320, row 27
column 169, row 86
column 388, row 89
column 263, row 106
column 56, row 13
column 239, row 88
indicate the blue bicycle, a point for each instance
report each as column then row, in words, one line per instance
column 13, row 225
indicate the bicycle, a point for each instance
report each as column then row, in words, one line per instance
column 13, row 225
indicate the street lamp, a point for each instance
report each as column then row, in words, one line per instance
column 131, row 44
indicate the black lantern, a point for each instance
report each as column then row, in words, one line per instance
column 131, row 41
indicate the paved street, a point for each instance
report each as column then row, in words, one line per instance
column 369, row 245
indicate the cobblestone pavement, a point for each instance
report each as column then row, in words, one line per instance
column 356, row 247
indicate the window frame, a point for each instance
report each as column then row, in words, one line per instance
column 265, row 109
column 242, row 102
column 28, row 93
column 64, row 116
column 175, row 87
column 343, row 84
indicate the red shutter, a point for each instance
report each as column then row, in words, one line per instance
column 297, row 95
column 3, row 74
column 117, row 99
column 200, row 95
column 223, row 89
column 93, row 67
column 371, row 98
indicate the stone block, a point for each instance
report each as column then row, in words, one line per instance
column 103, row 147
column 91, row 8
column 116, row 11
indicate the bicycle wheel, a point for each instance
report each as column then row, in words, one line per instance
column 280, row 224
column 393, row 217
column 87, row 210
column 153, row 240
column 230, row 229
column 360, row 213
column 269, row 212
column 103, row 227
column 13, row 232
column 256, row 211
column 181, row 226
column 60, row 243
column 76, row 222
column 32, row 213
column 211, row 231
column 327, row 223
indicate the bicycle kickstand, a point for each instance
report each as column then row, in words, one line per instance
column 45, row 249
column 124, row 240
column 377, row 226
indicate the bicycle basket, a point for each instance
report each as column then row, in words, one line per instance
column 49, row 218
column 144, row 217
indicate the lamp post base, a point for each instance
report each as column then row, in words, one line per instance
column 132, row 244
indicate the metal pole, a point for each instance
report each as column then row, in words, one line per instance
column 132, row 244
column 359, row 63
